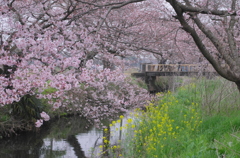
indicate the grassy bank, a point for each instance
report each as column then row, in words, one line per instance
column 201, row 119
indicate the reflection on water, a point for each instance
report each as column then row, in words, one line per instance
column 64, row 138
column 67, row 137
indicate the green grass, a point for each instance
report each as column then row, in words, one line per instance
column 199, row 120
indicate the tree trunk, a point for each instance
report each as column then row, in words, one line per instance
column 73, row 141
column 238, row 85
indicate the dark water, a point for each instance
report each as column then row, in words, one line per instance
column 64, row 138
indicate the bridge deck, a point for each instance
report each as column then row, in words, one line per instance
column 173, row 70
column 150, row 71
column 143, row 74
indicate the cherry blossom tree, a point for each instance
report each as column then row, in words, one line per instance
column 148, row 27
column 50, row 45
column 214, row 27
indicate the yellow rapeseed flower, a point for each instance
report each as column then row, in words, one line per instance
column 129, row 120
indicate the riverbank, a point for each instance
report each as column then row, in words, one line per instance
column 12, row 125
column 200, row 119
column 117, row 96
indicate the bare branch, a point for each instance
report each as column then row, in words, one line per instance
column 188, row 8
column 201, row 46
column 10, row 5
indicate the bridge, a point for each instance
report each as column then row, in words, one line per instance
column 149, row 72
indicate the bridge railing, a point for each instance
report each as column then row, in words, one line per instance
column 177, row 68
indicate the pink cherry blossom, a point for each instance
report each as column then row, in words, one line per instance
column 39, row 123
column 45, row 116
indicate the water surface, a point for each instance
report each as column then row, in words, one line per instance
column 70, row 137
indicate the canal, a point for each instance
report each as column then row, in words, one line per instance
column 71, row 137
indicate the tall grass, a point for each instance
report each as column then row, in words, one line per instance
column 200, row 120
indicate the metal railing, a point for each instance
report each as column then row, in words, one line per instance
column 177, row 68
